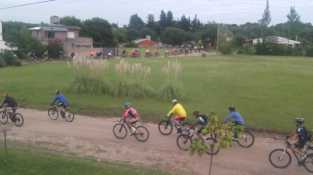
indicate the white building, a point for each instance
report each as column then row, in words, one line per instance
column 277, row 40
column 3, row 45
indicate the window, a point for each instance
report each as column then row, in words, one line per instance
column 51, row 34
column 70, row 35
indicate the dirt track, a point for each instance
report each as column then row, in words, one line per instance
column 93, row 137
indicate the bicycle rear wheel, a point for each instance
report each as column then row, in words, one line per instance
column 3, row 118
column 246, row 139
column 308, row 163
column 165, row 127
column 53, row 114
column 18, row 120
column 184, row 142
column 142, row 134
column 120, row 131
column 280, row 158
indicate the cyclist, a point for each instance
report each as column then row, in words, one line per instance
column 131, row 116
column 234, row 117
column 61, row 101
column 202, row 121
column 9, row 102
column 179, row 113
column 302, row 135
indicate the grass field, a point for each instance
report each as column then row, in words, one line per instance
column 21, row 162
column 269, row 91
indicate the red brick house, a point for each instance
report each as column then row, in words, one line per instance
column 68, row 36
column 146, row 43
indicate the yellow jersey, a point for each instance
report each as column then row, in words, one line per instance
column 178, row 110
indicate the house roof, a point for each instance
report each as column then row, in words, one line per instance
column 55, row 28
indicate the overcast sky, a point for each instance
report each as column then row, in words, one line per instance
column 119, row 11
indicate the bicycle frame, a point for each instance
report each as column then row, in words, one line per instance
column 292, row 150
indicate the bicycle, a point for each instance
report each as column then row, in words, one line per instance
column 121, row 129
column 166, row 126
column 246, row 138
column 55, row 111
column 16, row 118
column 185, row 139
column 281, row 157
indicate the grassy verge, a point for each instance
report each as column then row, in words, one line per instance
column 269, row 91
column 22, row 162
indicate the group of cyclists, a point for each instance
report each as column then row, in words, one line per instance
column 177, row 113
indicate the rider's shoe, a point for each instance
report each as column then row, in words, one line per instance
column 132, row 131
column 302, row 160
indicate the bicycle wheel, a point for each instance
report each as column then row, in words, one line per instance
column 142, row 134
column 213, row 147
column 308, row 163
column 69, row 116
column 120, row 131
column 184, row 142
column 53, row 113
column 246, row 139
column 18, row 120
column 165, row 127
column 3, row 118
column 280, row 158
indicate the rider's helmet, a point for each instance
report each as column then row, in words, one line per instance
column 174, row 101
column 126, row 105
column 57, row 92
column 232, row 108
column 196, row 113
column 299, row 122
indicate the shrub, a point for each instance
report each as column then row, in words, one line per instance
column 2, row 62
column 279, row 50
column 247, row 50
column 10, row 59
column 226, row 48
column 55, row 49
column 309, row 51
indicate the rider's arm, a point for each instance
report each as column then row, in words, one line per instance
column 54, row 100
column 171, row 111
column 227, row 118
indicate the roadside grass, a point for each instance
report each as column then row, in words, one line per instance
column 26, row 162
column 269, row 91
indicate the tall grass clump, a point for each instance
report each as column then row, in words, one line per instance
column 172, row 87
column 132, row 80
column 89, row 76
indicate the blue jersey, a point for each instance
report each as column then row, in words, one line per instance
column 235, row 117
column 61, row 99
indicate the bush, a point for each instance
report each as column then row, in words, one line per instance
column 247, row 50
column 279, row 50
column 226, row 48
column 55, row 49
column 309, row 51
column 9, row 58
column 2, row 62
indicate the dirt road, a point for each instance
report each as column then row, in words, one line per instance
column 93, row 137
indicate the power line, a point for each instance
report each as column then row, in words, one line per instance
column 26, row 4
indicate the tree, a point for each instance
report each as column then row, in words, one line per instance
column 293, row 16
column 184, row 23
column 71, row 21
column 195, row 24
column 100, row 30
column 266, row 18
column 163, row 19
column 175, row 36
column 151, row 21
column 135, row 27
column 169, row 19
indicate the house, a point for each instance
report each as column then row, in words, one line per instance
column 146, row 43
column 68, row 36
column 276, row 40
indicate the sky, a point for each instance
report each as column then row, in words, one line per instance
column 119, row 11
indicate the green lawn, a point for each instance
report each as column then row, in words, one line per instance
column 269, row 91
column 21, row 162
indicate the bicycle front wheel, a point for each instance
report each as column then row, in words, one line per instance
column 142, row 134
column 53, row 113
column 308, row 163
column 213, row 146
column 120, row 131
column 184, row 142
column 280, row 158
column 3, row 118
column 18, row 120
column 165, row 127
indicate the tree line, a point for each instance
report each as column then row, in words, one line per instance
column 168, row 29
